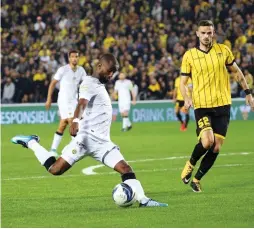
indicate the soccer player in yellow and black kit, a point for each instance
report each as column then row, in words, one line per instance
column 179, row 104
column 207, row 65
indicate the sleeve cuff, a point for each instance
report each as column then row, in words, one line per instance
column 231, row 63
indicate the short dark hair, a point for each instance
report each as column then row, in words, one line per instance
column 72, row 51
column 110, row 58
column 205, row 23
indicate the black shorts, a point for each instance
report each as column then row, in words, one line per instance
column 216, row 119
column 179, row 104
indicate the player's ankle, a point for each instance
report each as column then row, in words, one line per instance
column 144, row 200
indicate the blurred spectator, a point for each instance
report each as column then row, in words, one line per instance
column 249, row 80
column 234, row 87
column 52, row 65
column 157, row 11
column 22, row 66
column 40, row 83
column 8, row 91
column 154, row 89
column 39, row 25
column 147, row 37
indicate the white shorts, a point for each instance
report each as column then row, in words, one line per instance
column 66, row 110
column 82, row 145
column 123, row 107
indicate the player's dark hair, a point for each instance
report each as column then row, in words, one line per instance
column 72, row 51
column 110, row 58
column 205, row 23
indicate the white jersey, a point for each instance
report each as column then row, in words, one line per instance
column 124, row 87
column 69, row 82
column 97, row 117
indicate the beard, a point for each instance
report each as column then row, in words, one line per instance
column 103, row 79
column 206, row 43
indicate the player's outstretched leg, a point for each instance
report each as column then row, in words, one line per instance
column 58, row 136
column 56, row 141
column 47, row 159
column 24, row 139
column 187, row 119
column 114, row 159
column 197, row 153
column 179, row 117
column 206, row 164
column 129, row 124
column 124, row 123
column 129, row 178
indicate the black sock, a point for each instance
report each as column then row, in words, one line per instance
column 197, row 153
column 49, row 162
column 58, row 133
column 127, row 176
column 206, row 163
column 187, row 118
column 179, row 116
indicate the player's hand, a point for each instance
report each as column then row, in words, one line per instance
column 188, row 103
column 250, row 101
column 48, row 104
column 74, row 129
column 134, row 102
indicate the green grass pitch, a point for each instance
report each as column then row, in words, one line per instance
column 33, row 198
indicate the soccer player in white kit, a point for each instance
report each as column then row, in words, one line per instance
column 69, row 76
column 123, row 87
column 91, row 126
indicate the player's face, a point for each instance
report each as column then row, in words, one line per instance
column 205, row 35
column 122, row 76
column 73, row 58
column 104, row 72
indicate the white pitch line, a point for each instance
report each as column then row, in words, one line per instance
column 113, row 172
column 91, row 168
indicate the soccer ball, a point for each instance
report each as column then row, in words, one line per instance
column 123, row 195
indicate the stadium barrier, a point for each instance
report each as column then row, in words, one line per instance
column 143, row 111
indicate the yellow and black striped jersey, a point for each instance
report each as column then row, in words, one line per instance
column 210, row 78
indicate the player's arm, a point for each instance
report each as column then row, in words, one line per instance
column 134, row 97
column 115, row 93
column 133, row 94
column 175, row 91
column 85, row 94
column 185, row 74
column 184, row 91
column 237, row 73
column 82, row 103
column 57, row 77
column 51, row 89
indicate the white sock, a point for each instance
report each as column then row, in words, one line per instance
column 41, row 153
column 128, row 122
column 124, row 122
column 140, row 194
column 56, row 141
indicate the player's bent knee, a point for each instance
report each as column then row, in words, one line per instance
column 123, row 168
column 217, row 148
column 207, row 142
column 58, row 167
column 55, row 172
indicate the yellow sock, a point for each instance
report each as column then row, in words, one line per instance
column 195, row 180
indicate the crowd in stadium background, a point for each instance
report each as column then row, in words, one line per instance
column 148, row 38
